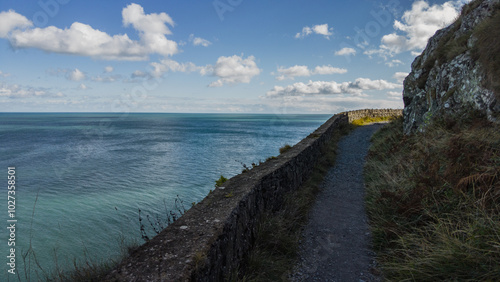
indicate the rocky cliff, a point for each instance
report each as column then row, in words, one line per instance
column 459, row 70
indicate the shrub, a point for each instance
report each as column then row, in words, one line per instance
column 220, row 181
column 285, row 149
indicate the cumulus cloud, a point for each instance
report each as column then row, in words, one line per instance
column 394, row 95
column 292, row 72
column 321, row 29
column 3, row 74
column 109, row 78
column 83, row 40
column 400, row 76
column 198, row 41
column 230, row 70
column 83, row 87
column 331, row 87
column 17, row 91
column 10, row 21
column 345, row 52
column 394, row 63
column 139, row 73
column 234, row 69
column 416, row 27
column 75, row 75
column 168, row 65
column 108, row 69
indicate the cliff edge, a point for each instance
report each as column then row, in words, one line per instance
column 459, row 70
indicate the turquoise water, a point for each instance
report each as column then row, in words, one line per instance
column 81, row 178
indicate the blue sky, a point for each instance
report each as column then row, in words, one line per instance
column 224, row 56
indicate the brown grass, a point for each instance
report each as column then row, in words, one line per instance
column 434, row 201
column 487, row 50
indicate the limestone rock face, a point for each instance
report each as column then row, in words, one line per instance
column 445, row 79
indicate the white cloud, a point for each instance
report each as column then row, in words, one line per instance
column 83, row 87
column 75, row 75
column 395, row 95
column 234, row 69
column 345, row 52
column 394, row 63
column 152, row 29
column 382, row 53
column 139, row 73
column 400, row 76
column 198, row 41
column 328, row 70
column 83, row 40
column 109, row 78
column 3, row 74
column 108, row 69
column 16, row 91
column 230, row 70
column 417, row 26
column 10, row 21
column 331, row 87
column 167, row 65
column 292, row 72
column 321, row 29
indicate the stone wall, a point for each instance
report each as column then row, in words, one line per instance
column 354, row 115
column 211, row 239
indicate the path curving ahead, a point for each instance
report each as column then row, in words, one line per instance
column 336, row 241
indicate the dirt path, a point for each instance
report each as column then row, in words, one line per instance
column 336, row 244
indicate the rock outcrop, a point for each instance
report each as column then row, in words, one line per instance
column 448, row 78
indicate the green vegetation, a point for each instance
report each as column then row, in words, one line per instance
column 220, row 181
column 368, row 120
column 434, row 201
column 285, row 148
column 278, row 234
column 487, row 50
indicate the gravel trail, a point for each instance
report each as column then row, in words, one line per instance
column 336, row 241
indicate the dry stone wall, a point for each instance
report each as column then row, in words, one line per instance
column 212, row 238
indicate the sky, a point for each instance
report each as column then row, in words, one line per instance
column 216, row 56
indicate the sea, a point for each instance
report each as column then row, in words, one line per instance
column 86, row 182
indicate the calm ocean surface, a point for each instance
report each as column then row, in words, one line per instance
column 81, row 178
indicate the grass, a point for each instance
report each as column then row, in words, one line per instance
column 487, row 48
column 433, row 201
column 220, row 181
column 285, row 149
column 277, row 240
column 368, row 120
